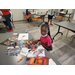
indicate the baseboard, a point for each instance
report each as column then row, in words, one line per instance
column 18, row 20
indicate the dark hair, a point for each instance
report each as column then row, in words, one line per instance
column 47, row 26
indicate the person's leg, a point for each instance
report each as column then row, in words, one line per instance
column 7, row 17
column 48, row 21
column 51, row 20
column 48, row 18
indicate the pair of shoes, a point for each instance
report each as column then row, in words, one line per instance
column 51, row 24
column 10, row 30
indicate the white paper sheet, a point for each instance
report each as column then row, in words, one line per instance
column 51, row 62
column 24, row 51
column 23, row 36
column 15, row 33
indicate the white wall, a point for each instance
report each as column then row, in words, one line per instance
column 18, row 13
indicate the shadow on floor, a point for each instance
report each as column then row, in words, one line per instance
column 3, row 30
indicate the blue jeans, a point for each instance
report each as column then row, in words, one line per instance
column 7, row 17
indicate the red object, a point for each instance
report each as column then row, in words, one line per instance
column 23, row 36
column 7, row 42
column 25, row 46
column 6, row 13
column 21, row 59
column 51, row 24
column 10, row 30
column 33, row 10
column 41, row 52
column 40, row 61
column 28, row 43
column 14, row 38
column 34, row 43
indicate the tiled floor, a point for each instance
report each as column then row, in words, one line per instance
column 63, row 47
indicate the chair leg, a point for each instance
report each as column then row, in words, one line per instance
column 67, row 33
column 13, row 24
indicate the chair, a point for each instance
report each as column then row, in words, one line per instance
column 27, row 17
column 37, row 19
column 24, row 14
column 11, row 19
column 58, row 16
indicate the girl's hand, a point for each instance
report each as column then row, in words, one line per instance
column 35, row 41
column 40, row 42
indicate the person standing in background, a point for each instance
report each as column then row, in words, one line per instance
column 51, row 13
column 27, row 12
column 7, row 15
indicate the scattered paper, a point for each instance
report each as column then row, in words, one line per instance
column 24, row 51
column 15, row 33
column 23, row 36
column 51, row 62
column 40, row 52
column 13, row 51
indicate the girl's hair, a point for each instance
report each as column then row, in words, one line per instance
column 47, row 26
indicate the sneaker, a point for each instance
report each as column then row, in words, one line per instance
column 10, row 30
column 51, row 24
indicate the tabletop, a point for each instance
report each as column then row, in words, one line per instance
column 12, row 60
column 2, row 19
column 67, row 25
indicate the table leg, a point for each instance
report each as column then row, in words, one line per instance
column 0, row 28
column 40, row 24
column 58, row 32
column 73, row 37
column 69, row 18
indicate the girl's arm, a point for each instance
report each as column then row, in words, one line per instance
column 46, row 47
column 35, row 41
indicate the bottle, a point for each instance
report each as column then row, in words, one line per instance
column 26, row 31
column 22, row 43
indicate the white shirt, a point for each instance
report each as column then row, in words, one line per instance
column 50, row 12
